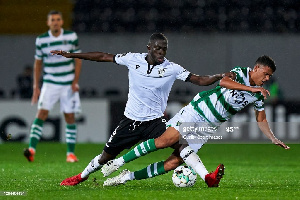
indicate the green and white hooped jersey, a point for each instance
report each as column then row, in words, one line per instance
column 219, row 104
column 57, row 69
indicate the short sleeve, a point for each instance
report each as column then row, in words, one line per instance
column 38, row 50
column 241, row 74
column 181, row 73
column 124, row 58
column 76, row 48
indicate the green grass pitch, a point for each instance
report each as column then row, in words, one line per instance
column 253, row 171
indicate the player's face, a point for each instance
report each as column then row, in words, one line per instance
column 55, row 22
column 157, row 51
column 262, row 74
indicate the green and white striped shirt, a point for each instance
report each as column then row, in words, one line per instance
column 57, row 69
column 219, row 104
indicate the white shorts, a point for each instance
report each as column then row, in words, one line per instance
column 51, row 93
column 193, row 128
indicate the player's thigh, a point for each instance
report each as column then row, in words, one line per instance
column 152, row 129
column 49, row 96
column 69, row 100
column 123, row 137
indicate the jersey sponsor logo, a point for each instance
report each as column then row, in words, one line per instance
column 161, row 72
column 239, row 98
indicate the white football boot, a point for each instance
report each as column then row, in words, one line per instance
column 122, row 178
column 110, row 167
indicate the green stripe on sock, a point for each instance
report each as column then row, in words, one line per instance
column 71, row 130
column 71, row 126
column 38, row 121
column 149, row 147
column 160, row 168
column 35, row 133
column 143, row 173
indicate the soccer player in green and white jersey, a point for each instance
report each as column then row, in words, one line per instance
column 208, row 108
column 60, row 83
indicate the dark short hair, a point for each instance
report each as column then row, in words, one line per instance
column 266, row 61
column 54, row 12
column 157, row 36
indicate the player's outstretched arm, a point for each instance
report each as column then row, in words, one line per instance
column 93, row 56
column 209, row 79
column 230, row 84
column 265, row 128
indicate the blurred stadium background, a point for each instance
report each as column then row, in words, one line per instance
column 205, row 36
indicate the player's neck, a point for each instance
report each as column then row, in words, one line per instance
column 149, row 60
column 56, row 33
column 252, row 83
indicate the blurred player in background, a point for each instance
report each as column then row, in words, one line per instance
column 207, row 109
column 60, row 83
column 24, row 82
column 151, row 77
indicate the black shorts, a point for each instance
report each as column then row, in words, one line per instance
column 130, row 132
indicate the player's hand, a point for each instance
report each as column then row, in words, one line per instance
column 60, row 52
column 35, row 95
column 262, row 90
column 75, row 87
column 279, row 143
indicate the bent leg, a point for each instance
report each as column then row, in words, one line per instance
column 167, row 139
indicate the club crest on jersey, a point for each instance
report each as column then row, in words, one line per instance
column 161, row 72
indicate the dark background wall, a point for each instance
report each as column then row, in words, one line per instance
column 200, row 53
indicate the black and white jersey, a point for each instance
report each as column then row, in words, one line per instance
column 149, row 85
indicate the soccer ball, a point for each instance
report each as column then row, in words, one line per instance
column 184, row 176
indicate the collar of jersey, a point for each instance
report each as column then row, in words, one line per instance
column 61, row 33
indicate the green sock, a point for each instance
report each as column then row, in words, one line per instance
column 150, row 171
column 71, row 137
column 35, row 132
column 140, row 150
